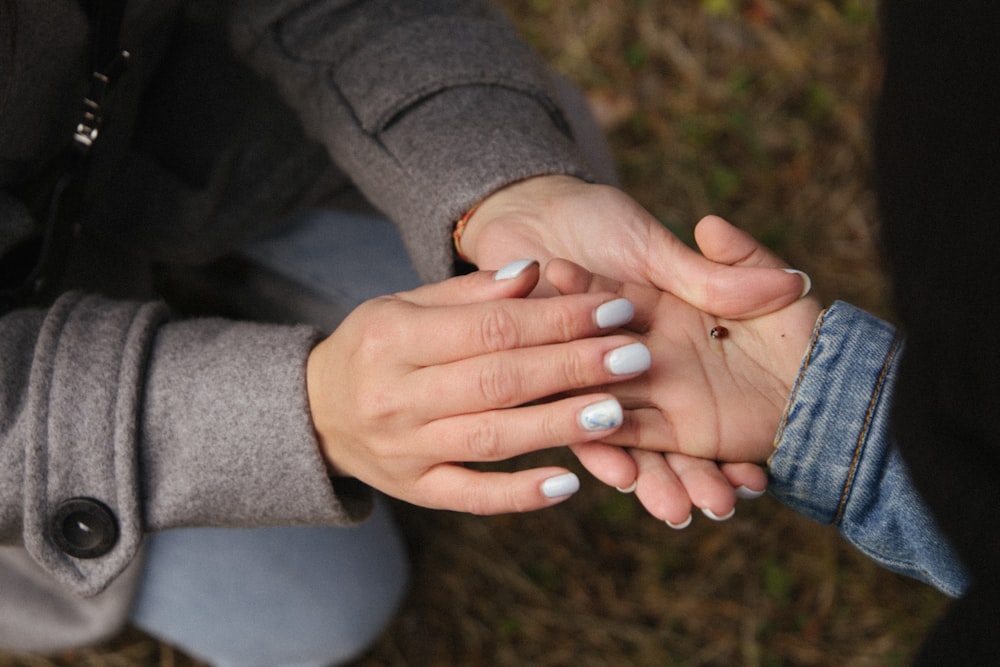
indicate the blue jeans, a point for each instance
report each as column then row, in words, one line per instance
column 303, row 595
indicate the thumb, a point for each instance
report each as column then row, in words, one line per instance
column 736, row 277
column 514, row 280
column 721, row 242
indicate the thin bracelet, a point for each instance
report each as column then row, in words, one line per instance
column 456, row 235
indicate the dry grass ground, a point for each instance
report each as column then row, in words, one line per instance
column 756, row 110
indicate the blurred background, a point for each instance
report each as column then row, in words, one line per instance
column 757, row 110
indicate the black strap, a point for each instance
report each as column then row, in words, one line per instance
column 107, row 62
column 105, row 23
column 58, row 193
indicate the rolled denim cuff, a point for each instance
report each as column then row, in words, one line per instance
column 836, row 462
column 837, row 413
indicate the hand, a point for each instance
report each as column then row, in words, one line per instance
column 710, row 398
column 605, row 231
column 411, row 386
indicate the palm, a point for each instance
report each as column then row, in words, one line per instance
column 716, row 398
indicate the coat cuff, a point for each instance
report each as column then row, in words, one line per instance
column 227, row 438
column 134, row 424
column 82, row 516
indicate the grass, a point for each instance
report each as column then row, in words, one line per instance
column 756, row 110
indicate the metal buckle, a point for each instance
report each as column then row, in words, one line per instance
column 101, row 82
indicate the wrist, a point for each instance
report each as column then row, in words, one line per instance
column 316, row 400
column 523, row 200
column 458, row 233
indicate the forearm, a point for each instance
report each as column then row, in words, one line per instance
column 164, row 424
column 835, row 460
column 428, row 109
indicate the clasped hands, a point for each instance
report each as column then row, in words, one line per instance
column 615, row 361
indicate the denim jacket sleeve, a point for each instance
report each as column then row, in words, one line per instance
column 835, row 460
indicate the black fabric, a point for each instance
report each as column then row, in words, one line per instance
column 56, row 197
column 937, row 175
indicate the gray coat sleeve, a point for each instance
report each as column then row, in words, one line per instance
column 200, row 422
column 428, row 106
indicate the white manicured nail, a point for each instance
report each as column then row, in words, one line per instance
column 746, row 493
column 614, row 313
column 680, row 526
column 513, row 270
column 806, row 280
column 601, row 416
column 562, row 485
column 715, row 517
column 630, row 488
column 628, row 359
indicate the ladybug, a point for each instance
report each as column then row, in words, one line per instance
column 718, row 332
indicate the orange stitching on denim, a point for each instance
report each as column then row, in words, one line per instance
column 864, row 429
column 798, row 383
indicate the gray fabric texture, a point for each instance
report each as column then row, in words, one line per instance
column 426, row 106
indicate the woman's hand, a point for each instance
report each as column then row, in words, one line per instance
column 413, row 385
column 607, row 232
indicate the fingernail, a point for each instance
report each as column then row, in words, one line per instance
column 680, row 526
column 562, row 485
column 601, row 416
column 715, row 517
column 746, row 493
column 614, row 313
column 807, row 282
column 513, row 270
column 630, row 488
column 628, row 359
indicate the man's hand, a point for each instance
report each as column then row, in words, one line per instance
column 716, row 389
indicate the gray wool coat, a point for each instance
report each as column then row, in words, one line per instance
column 229, row 117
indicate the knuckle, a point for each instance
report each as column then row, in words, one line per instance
column 377, row 407
column 373, row 345
column 498, row 385
column 515, row 501
column 498, row 330
column 486, row 500
column 577, row 370
column 563, row 320
column 484, row 441
column 477, row 502
column 552, row 428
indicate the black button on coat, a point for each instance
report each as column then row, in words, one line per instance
column 84, row 528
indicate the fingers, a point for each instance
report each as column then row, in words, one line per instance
column 669, row 486
column 502, row 434
column 441, row 334
column 611, row 465
column 514, row 377
column 516, row 279
column 570, row 278
column 649, row 429
column 748, row 479
column 660, row 489
column 706, row 486
column 453, row 487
